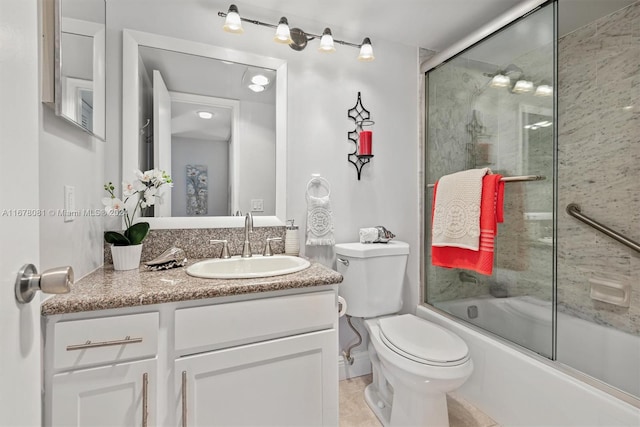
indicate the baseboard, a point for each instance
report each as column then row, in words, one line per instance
column 361, row 365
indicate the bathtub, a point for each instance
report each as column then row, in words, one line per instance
column 519, row 388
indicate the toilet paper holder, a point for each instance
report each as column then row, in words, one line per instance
column 342, row 306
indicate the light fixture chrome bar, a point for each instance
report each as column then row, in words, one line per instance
column 310, row 36
column 573, row 209
column 523, row 178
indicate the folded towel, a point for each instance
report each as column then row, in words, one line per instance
column 368, row 235
column 491, row 213
column 456, row 213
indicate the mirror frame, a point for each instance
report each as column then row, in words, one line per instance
column 131, row 41
column 53, row 93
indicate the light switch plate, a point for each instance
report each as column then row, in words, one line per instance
column 69, row 203
column 257, row 205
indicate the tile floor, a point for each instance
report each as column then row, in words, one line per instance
column 354, row 412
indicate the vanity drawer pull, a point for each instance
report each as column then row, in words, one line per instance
column 89, row 344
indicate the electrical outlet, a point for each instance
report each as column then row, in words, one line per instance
column 257, row 205
column 69, row 203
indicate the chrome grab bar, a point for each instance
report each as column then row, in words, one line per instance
column 573, row 209
column 89, row 344
column 522, row 178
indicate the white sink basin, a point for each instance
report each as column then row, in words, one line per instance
column 247, row 268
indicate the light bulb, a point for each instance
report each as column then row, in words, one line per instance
column 256, row 88
column 366, row 50
column 500, row 80
column 326, row 42
column 283, row 35
column 260, row 79
column 233, row 24
column 523, row 86
column 544, row 90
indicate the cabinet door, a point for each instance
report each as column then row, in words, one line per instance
column 115, row 395
column 290, row 381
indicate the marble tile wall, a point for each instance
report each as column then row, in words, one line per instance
column 599, row 164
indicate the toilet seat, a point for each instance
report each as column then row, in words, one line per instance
column 422, row 341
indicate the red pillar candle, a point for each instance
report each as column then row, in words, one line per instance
column 364, row 148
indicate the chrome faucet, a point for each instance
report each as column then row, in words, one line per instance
column 248, row 228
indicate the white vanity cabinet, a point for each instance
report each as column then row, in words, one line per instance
column 112, row 395
column 101, row 371
column 256, row 359
column 274, row 363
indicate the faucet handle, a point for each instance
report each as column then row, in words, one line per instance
column 267, row 245
column 225, row 248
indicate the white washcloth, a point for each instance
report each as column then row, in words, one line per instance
column 368, row 235
column 456, row 215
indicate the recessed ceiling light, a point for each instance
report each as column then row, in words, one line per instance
column 205, row 114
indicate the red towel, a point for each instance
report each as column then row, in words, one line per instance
column 491, row 213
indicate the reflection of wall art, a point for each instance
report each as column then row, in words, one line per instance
column 197, row 189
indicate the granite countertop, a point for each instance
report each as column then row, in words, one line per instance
column 106, row 289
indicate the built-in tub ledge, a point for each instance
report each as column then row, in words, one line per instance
column 108, row 289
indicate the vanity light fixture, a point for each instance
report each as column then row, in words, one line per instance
column 523, row 86
column 256, row 88
column 500, row 80
column 326, row 42
column 260, row 79
column 205, row 115
column 296, row 38
column 233, row 22
column 544, row 89
column 283, row 35
column 366, row 51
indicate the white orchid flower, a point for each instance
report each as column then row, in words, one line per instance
column 113, row 205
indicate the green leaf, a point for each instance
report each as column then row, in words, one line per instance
column 137, row 232
column 116, row 239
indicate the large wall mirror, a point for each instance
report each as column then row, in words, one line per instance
column 74, row 66
column 213, row 118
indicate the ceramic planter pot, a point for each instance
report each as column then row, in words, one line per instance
column 126, row 257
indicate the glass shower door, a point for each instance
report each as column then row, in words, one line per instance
column 492, row 106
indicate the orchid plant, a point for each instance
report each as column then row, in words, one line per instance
column 138, row 195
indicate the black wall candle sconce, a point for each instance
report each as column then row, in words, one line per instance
column 361, row 138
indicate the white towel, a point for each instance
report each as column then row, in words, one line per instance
column 456, row 215
column 368, row 235
column 319, row 221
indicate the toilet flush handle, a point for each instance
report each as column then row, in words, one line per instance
column 343, row 261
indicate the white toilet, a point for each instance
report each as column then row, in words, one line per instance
column 415, row 362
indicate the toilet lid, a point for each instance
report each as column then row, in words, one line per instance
column 422, row 341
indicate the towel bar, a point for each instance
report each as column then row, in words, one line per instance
column 522, row 178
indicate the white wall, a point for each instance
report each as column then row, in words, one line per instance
column 69, row 156
column 257, row 154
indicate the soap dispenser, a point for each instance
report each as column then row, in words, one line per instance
column 291, row 239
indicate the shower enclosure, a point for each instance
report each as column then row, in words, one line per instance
column 555, row 94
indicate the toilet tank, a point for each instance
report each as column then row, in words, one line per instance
column 373, row 276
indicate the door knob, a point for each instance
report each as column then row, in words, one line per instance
column 53, row 281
